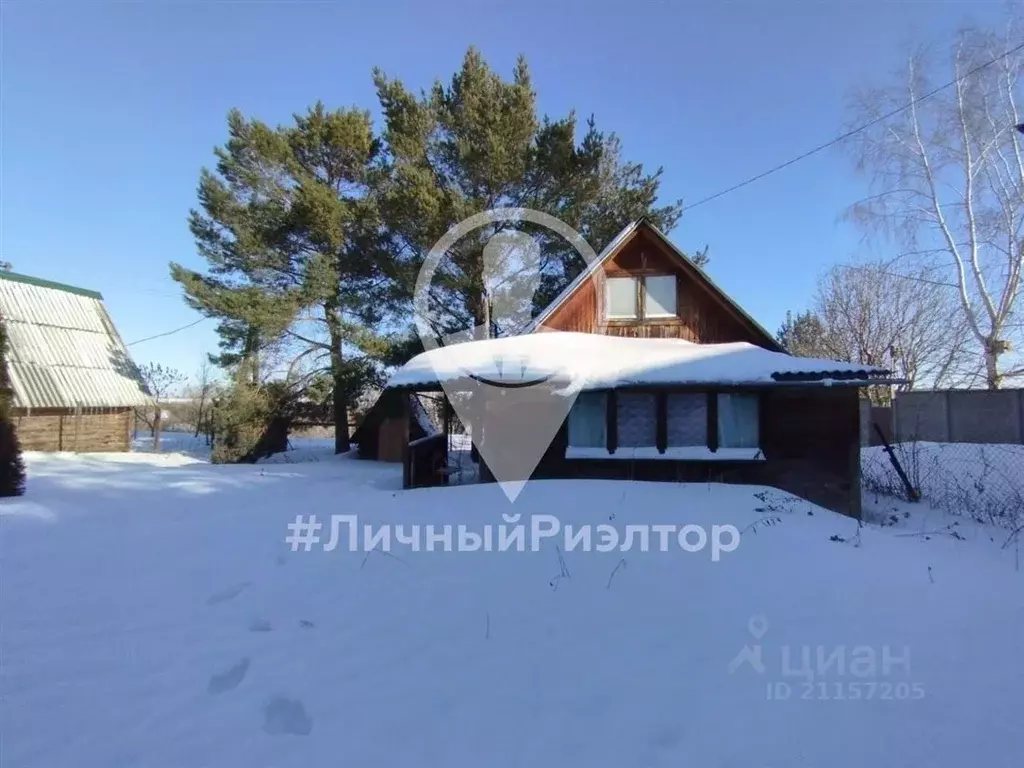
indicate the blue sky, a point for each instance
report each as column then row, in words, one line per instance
column 109, row 110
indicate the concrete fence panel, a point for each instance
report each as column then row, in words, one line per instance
column 960, row 416
column 982, row 416
column 921, row 416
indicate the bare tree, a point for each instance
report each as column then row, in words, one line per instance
column 160, row 382
column 948, row 179
column 200, row 394
column 905, row 321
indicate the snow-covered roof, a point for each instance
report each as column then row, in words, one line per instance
column 594, row 361
column 612, row 248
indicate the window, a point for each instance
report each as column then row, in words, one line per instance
column 622, row 297
column 637, row 420
column 587, row 420
column 687, row 419
column 630, row 298
column 737, row 421
column 660, row 295
column 690, row 431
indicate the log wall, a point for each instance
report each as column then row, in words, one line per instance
column 62, row 430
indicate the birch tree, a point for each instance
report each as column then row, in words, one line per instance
column 947, row 178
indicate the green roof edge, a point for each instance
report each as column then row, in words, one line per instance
column 38, row 281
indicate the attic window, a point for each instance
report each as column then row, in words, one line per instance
column 660, row 296
column 634, row 298
column 622, row 298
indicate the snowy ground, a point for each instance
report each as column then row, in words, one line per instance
column 302, row 449
column 152, row 615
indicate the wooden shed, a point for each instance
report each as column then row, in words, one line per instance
column 73, row 382
column 394, row 421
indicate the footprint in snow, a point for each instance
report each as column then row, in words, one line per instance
column 666, row 738
column 227, row 594
column 286, row 716
column 260, row 625
column 229, row 678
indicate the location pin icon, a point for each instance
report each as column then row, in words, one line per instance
column 515, row 405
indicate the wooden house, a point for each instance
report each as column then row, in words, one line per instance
column 690, row 389
column 73, row 383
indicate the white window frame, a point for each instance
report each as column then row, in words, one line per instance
column 608, row 297
column 641, row 296
column 675, row 297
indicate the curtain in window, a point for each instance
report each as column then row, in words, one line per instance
column 660, row 298
column 622, row 297
column 737, row 420
column 687, row 419
column 587, row 420
column 638, row 420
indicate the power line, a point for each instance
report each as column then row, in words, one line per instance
column 855, row 131
column 167, row 333
column 886, row 273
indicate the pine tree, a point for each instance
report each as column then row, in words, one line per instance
column 292, row 238
column 803, row 335
column 478, row 143
column 12, row 468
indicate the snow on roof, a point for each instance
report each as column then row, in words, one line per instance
column 593, row 361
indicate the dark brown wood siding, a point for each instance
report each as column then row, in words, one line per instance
column 386, row 429
column 812, row 444
column 702, row 318
column 63, row 430
column 810, row 437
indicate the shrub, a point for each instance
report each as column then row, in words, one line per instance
column 251, row 422
column 12, row 468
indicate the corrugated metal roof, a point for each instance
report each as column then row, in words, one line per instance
column 62, row 348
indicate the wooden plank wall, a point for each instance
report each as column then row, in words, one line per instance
column 65, row 431
column 702, row 318
column 810, row 438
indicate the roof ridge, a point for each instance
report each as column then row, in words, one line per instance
column 40, row 282
column 617, row 242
